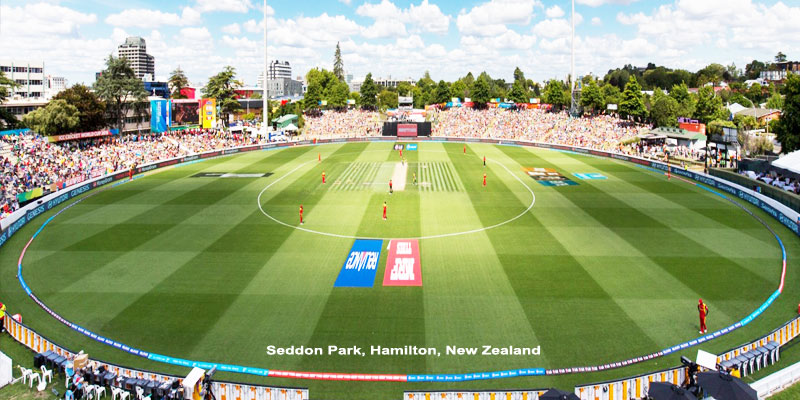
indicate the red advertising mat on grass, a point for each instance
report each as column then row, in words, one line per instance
column 402, row 265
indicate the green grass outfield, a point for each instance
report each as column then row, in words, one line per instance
column 609, row 269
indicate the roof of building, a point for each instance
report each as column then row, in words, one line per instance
column 285, row 118
column 735, row 108
column 757, row 112
column 677, row 133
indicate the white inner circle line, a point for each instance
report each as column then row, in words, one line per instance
column 486, row 228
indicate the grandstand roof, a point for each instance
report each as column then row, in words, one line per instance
column 677, row 133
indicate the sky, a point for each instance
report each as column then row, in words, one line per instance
column 399, row 38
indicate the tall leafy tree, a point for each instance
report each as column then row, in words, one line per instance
column 519, row 76
column 338, row 64
column 686, row 103
column 664, row 109
column 56, row 118
column 90, row 108
column 480, row 92
column 222, row 87
column 337, row 96
column 387, row 99
column 611, row 94
column 632, row 101
column 120, row 90
column 756, row 93
column 592, row 97
column 459, row 89
column 555, row 95
column 780, row 57
column 518, row 94
column 740, row 99
column 775, row 101
column 442, row 92
column 709, row 106
column 177, row 81
column 369, row 92
column 754, row 69
column 787, row 129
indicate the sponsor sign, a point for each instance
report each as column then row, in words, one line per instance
column 208, row 113
column 81, row 135
column 402, row 265
column 405, row 100
column 411, row 147
column 229, row 175
column 361, row 265
column 590, row 176
column 407, row 130
column 399, row 146
column 160, row 115
column 612, row 107
column 549, row 177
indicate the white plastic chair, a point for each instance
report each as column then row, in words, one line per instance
column 124, row 395
column 26, row 373
column 47, row 374
column 139, row 393
column 100, row 390
column 34, row 376
column 115, row 392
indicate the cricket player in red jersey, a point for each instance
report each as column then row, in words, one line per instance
column 484, row 180
column 401, row 154
column 702, row 308
column 484, row 161
column 301, row 214
column 465, row 149
column 391, row 190
column 384, row 211
column 323, row 177
column 319, row 157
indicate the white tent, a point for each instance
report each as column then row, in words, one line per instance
column 5, row 370
column 291, row 128
column 789, row 162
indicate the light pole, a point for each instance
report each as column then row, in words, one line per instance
column 265, row 95
column 573, row 89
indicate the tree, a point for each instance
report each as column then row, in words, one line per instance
column 459, row 90
column 405, row 89
column 177, row 81
column 56, row 118
column 632, row 101
column 686, row 103
column 754, row 69
column 713, row 74
column 756, row 93
column 780, row 57
column 442, row 92
column 709, row 106
column 387, row 99
column 337, row 96
column 338, row 64
column 356, row 97
column 8, row 119
column 91, row 109
column 517, row 93
column 745, row 122
column 740, row 99
column 480, row 93
column 554, row 94
column 222, row 87
column 664, row 110
column 715, row 127
column 369, row 92
column 775, row 101
column 519, row 76
column 120, row 90
column 787, row 129
column 611, row 95
column 592, row 98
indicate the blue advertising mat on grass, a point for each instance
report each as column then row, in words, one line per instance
column 361, row 265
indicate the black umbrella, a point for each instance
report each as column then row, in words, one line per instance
column 668, row 391
column 723, row 386
column 555, row 394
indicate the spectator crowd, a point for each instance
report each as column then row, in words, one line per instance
column 30, row 161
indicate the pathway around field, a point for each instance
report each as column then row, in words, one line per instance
column 444, row 235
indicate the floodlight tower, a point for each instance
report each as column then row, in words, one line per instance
column 574, row 108
column 265, row 95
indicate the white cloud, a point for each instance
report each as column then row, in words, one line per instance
column 194, row 35
column 46, row 18
column 384, row 28
column 239, row 42
column 491, row 18
column 346, row 2
column 554, row 12
column 424, row 17
column 597, row 3
column 232, row 29
column 596, row 21
column 236, row 6
column 560, row 27
column 144, row 18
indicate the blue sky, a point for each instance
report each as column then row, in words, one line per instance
column 401, row 38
